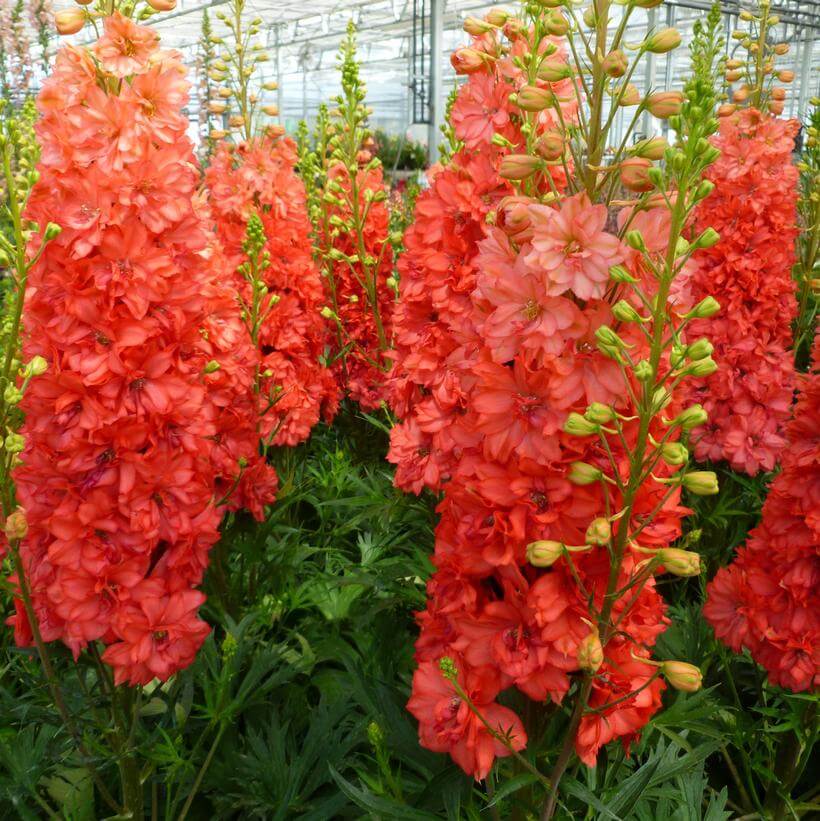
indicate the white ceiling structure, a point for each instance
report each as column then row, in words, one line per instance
column 303, row 37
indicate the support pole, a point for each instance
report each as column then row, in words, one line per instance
column 436, row 82
column 805, row 78
column 650, row 73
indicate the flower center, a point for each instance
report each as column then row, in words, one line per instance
column 532, row 309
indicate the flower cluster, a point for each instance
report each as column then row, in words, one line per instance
column 352, row 231
column 509, row 379
column 128, row 449
column 767, row 600
column 258, row 178
column 753, row 207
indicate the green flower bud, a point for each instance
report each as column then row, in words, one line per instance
column 701, row 482
column 702, row 368
column 52, row 230
column 692, row 417
column 619, row 274
column 12, row 394
column 38, row 366
column 706, row 308
column 212, row 366
column 577, row 425
column 624, row 312
column 582, row 473
column 700, row 349
column 599, row 531
column 643, row 371
column 15, row 443
column 599, row 413
column 707, row 239
column 674, row 453
column 634, row 239
column 679, row 562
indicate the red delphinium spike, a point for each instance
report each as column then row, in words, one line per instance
column 128, row 449
column 754, row 209
column 767, row 599
column 296, row 388
column 500, row 301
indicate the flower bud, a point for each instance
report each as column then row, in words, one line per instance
column 477, row 27
column 683, row 676
column 624, row 312
column 662, row 41
column 634, row 173
column 497, row 16
column 15, row 443
column 12, row 395
column 590, row 653
column 212, row 366
column 52, row 231
column 577, row 425
column 550, row 145
column 468, row 60
column 553, row 71
column 674, row 453
column 692, row 417
column 634, row 239
column 618, row 273
column 733, row 75
column 556, row 24
column 700, row 349
column 37, row 367
column 650, row 149
column 582, row 473
column 664, row 104
column 217, row 107
column 69, row 21
column 599, row 531
column 271, row 110
column 707, row 239
column 643, row 371
column 16, row 525
column 533, row 98
column 679, row 562
column 726, row 110
column 615, row 64
column 599, row 413
column 781, row 48
column 513, row 217
column 702, row 368
column 519, row 166
column 706, row 308
column 627, row 95
column 704, row 189
column 162, row 5
column 544, row 553
column 701, row 482
column 785, row 76
column 776, row 107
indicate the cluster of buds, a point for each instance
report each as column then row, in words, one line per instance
column 72, row 20
column 753, row 77
column 234, row 104
column 348, row 208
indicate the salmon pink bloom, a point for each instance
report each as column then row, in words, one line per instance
column 571, row 248
column 125, row 47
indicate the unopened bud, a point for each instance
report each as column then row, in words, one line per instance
column 69, row 21
column 662, row 41
column 582, row 473
column 624, row 312
column 615, row 64
column 599, row 531
column 664, row 104
column 690, row 418
column 708, row 239
column 701, row 482
column 16, row 525
column 519, row 166
column 533, row 98
column 683, row 676
column 38, row 366
column 679, row 562
column 706, row 308
column 544, row 553
column 599, row 413
column 577, row 425
column 674, row 453
column 590, row 653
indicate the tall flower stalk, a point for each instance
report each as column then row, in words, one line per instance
column 542, row 344
column 352, row 236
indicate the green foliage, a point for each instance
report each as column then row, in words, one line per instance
column 396, row 152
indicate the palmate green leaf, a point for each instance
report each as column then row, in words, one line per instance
column 512, row 786
column 73, row 792
column 578, row 790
